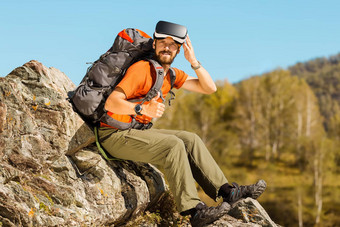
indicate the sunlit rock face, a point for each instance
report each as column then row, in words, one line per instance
column 51, row 173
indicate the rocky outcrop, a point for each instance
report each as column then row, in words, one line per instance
column 39, row 184
column 246, row 212
column 51, row 173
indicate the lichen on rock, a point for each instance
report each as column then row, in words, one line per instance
column 51, row 173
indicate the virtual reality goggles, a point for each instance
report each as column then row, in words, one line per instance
column 166, row 29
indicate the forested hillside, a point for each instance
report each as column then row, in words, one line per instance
column 323, row 76
column 282, row 126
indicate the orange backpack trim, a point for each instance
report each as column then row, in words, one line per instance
column 143, row 34
column 120, row 117
column 106, row 125
column 125, row 36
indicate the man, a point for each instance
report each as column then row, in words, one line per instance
column 182, row 154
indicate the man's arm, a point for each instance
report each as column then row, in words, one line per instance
column 117, row 103
column 203, row 83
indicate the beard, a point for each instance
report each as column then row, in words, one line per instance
column 165, row 59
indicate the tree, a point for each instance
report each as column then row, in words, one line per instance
column 203, row 114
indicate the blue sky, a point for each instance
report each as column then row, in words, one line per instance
column 232, row 39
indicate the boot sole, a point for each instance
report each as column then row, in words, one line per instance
column 261, row 186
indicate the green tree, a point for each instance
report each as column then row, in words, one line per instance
column 202, row 114
column 247, row 117
column 323, row 76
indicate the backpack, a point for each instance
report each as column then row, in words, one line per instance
column 88, row 99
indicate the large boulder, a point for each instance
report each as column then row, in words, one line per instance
column 50, row 173
column 246, row 212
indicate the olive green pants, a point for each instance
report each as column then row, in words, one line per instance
column 183, row 156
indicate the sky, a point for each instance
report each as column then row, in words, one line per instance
column 233, row 39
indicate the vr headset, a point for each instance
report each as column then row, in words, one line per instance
column 166, row 29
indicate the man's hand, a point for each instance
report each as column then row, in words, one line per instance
column 203, row 83
column 189, row 53
column 154, row 108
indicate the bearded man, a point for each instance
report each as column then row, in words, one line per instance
column 182, row 154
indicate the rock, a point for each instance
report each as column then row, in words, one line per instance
column 246, row 212
column 82, row 138
column 50, row 172
column 3, row 112
column 229, row 221
column 250, row 211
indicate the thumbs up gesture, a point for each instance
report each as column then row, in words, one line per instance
column 154, row 108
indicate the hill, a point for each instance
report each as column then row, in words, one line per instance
column 323, row 76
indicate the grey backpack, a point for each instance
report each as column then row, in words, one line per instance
column 88, row 99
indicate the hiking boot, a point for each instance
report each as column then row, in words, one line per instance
column 205, row 215
column 238, row 192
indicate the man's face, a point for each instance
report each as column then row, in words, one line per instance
column 166, row 50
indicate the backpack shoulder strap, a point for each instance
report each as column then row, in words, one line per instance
column 172, row 80
column 158, row 83
column 172, row 77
